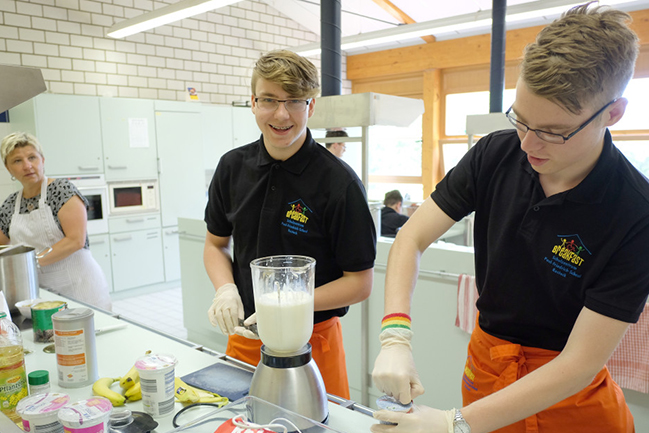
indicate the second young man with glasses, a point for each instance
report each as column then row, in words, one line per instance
column 561, row 235
column 286, row 194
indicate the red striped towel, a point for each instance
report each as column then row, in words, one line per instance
column 467, row 295
column 629, row 364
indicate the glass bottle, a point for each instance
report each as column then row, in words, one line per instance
column 13, row 380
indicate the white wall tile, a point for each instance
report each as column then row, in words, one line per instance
column 213, row 51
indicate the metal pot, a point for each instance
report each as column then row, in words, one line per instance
column 18, row 273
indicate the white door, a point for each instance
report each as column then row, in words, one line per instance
column 171, row 253
column 137, row 259
column 128, row 132
column 182, row 175
column 100, row 250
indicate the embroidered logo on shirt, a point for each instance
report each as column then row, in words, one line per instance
column 568, row 255
column 297, row 217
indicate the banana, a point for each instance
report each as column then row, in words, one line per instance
column 134, row 393
column 208, row 397
column 130, row 379
column 102, row 388
column 184, row 393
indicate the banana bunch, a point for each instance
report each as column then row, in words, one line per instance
column 130, row 383
column 187, row 394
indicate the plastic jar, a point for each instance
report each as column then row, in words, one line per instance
column 86, row 416
column 39, row 412
column 39, row 382
column 157, row 373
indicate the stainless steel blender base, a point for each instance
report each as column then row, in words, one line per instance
column 290, row 381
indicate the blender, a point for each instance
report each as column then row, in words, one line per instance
column 287, row 375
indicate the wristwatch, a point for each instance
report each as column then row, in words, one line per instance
column 459, row 423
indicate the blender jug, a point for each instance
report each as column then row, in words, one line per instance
column 283, row 289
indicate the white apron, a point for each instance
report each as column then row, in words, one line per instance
column 78, row 276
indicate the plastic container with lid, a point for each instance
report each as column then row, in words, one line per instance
column 157, row 374
column 13, row 380
column 86, row 416
column 40, row 412
column 39, row 382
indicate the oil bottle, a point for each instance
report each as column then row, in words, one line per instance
column 13, row 380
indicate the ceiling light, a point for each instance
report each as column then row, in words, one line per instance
column 165, row 15
column 540, row 11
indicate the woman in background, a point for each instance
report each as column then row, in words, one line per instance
column 50, row 213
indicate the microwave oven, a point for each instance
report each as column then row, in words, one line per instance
column 93, row 188
column 132, row 197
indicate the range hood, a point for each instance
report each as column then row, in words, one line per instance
column 364, row 109
column 19, row 84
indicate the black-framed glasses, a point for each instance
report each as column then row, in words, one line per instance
column 551, row 137
column 292, row 105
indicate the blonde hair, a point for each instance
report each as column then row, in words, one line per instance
column 295, row 74
column 586, row 57
column 18, row 139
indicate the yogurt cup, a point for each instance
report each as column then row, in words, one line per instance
column 86, row 416
column 40, row 412
column 157, row 374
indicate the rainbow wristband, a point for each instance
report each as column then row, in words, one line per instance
column 397, row 321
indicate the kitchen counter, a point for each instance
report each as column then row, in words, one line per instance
column 118, row 350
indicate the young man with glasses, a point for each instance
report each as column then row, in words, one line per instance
column 286, row 194
column 561, row 235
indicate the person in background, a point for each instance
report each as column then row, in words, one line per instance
column 50, row 215
column 561, row 235
column 286, row 194
column 337, row 149
column 391, row 217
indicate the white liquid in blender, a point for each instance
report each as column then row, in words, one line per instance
column 285, row 320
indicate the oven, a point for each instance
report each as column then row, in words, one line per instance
column 93, row 188
column 133, row 197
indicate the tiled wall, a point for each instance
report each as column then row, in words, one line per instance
column 212, row 52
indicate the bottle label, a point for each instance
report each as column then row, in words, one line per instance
column 71, row 355
column 13, row 385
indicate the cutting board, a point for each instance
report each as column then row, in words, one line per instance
column 223, row 379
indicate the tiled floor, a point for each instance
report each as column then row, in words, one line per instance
column 160, row 310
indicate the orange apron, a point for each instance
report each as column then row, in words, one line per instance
column 492, row 364
column 326, row 348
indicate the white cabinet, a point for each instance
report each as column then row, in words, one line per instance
column 68, row 128
column 244, row 126
column 217, row 133
column 180, row 152
column 171, row 253
column 129, row 140
column 100, row 250
column 137, row 259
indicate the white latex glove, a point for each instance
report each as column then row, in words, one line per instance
column 394, row 369
column 244, row 331
column 226, row 309
column 422, row 419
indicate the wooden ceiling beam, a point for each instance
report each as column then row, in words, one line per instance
column 472, row 50
column 400, row 15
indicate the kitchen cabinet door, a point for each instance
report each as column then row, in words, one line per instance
column 171, row 253
column 129, row 140
column 100, row 250
column 182, row 176
column 68, row 128
column 244, row 126
column 217, row 133
column 137, row 259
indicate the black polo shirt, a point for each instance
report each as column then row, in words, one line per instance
column 539, row 259
column 312, row 204
column 391, row 221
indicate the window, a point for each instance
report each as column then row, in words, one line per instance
column 635, row 116
column 460, row 105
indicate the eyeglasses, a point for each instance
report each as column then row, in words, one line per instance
column 291, row 105
column 551, row 137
